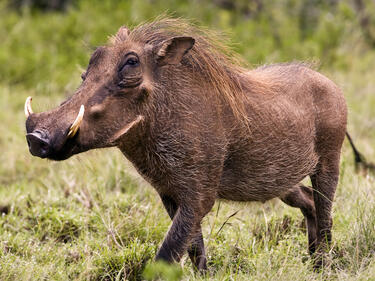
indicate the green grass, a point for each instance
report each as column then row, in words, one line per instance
column 93, row 218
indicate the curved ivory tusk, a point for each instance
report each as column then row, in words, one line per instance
column 75, row 126
column 28, row 109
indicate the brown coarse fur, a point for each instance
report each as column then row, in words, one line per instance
column 199, row 126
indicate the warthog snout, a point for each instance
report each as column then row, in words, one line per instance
column 41, row 141
column 39, row 144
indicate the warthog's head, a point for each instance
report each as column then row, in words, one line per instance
column 109, row 104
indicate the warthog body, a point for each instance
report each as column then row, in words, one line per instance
column 198, row 128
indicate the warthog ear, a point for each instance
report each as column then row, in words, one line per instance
column 172, row 50
column 121, row 35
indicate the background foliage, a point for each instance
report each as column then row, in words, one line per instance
column 92, row 218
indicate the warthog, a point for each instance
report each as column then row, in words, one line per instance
column 199, row 127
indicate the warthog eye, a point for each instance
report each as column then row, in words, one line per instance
column 83, row 75
column 132, row 61
column 130, row 73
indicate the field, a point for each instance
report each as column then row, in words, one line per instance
column 93, row 218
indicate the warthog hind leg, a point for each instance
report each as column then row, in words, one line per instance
column 324, row 183
column 302, row 197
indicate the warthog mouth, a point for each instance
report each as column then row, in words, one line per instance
column 62, row 147
column 58, row 147
column 69, row 148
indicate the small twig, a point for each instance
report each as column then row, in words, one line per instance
column 232, row 215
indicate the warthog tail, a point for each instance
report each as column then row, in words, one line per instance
column 360, row 161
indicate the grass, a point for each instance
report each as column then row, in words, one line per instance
column 93, row 218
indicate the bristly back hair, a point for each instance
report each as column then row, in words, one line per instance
column 210, row 56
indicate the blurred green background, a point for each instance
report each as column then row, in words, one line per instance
column 47, row 40
column 92, row 218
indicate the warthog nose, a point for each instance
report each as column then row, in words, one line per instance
column 38, row 144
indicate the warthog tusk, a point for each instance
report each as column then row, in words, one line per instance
column 28, row 109
column 75, row 126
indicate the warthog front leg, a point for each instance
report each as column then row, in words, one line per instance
column 197, row 253
column 196, row 249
